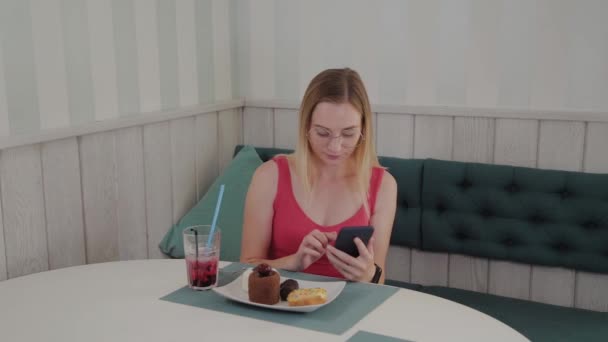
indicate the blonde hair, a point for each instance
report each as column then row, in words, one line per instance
column 337, row 86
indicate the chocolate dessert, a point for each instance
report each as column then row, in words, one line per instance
column 264, row 285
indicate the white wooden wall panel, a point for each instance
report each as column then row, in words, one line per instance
column 229, row 135
column 516, row 142
column 429, row 268
column 205, row 138
column 468, row 273
column 398, row 263
column 98, row 167
column 286, row 128
column 591, row 291
column 473, row 142
column 63, row 202
column 552, row 285
column 183, row 166
column 509, row 279
column 561, row 145
column 131, row 210
column 474, row 139
column 433, row 137
column 395, row 135
column 258, row 126
column 157, row 174
column 596, row 156
column 23, row 205
column 3, row 275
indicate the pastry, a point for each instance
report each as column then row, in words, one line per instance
column 287, row 286
column 301, row 297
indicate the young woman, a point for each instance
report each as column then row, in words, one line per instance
column 297, row 203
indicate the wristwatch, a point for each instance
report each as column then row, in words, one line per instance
column 377, row 274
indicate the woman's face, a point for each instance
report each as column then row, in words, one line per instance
column 335, row 131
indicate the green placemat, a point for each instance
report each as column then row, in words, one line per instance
column 355, row 301
column 366, row 336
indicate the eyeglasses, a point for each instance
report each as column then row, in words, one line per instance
column 349, row 138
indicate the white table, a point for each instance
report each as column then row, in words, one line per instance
column 119, row 301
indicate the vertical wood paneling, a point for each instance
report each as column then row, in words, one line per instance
column 591, row 291
column 258, row 126
column 286, row 128
column 516, row 142
column 474, row 139
column 4, row 123
column 98, row 167
column 561, row 145
column 433, row 137
column 229, row 135
column 23, row 205
column 311, row 28
column 3, row 275
column 596, row 158
column 183, row 166
column 429, row 268
column 552, row 285
column 468, row 273
column 365, row 32
column 509, row 279
column 186, row 53
column 398, row 263
column 157, row 174
column 131, row 210
column 395, row 134
column 63, row 203
column 205, row 137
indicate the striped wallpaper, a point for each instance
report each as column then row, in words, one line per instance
column 541, row 54
column 68, row 62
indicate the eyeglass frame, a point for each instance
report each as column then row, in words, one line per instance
column 330, row 138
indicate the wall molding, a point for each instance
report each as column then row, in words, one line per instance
column 122, row 122
column 497, row 112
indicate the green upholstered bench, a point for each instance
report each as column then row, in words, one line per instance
column 543, row 217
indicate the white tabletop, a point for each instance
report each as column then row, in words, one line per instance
column 119, row 301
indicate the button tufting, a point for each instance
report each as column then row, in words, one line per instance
column 486, row 212
column 591, row 225
column 561, row 247
column 461, row 235
column 512, row 188
column 536, row 219
column 564, row 193
column 404, row 204
column 509, row 242
column 440, row 208
column 465, row 184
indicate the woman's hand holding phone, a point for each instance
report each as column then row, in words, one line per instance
column 312, row 248
column 361, row 268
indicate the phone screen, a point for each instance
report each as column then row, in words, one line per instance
column 345, row 240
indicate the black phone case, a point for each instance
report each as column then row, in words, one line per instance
column 345, row 243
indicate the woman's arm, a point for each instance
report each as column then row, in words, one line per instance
column 382, row 220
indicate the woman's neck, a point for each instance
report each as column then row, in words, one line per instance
column 328, row 173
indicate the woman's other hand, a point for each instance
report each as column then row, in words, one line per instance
column 361, row 268
column 312, row 248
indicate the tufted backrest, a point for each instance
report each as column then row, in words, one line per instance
column 545, row 217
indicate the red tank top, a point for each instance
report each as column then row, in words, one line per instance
column 290, row 224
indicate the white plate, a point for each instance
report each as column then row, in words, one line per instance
column 235, row 292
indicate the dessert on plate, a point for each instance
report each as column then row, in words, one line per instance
column 264, row 285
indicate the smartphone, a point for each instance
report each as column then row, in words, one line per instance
column 345, row 240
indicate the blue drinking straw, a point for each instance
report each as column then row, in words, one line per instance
column 215, row 215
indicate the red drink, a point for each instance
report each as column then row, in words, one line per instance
column 202, row 273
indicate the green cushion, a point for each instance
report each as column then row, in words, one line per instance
column 265, row 153
column 236, row 179
column 538, row 322
column 403, row 284
column 544, row 217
